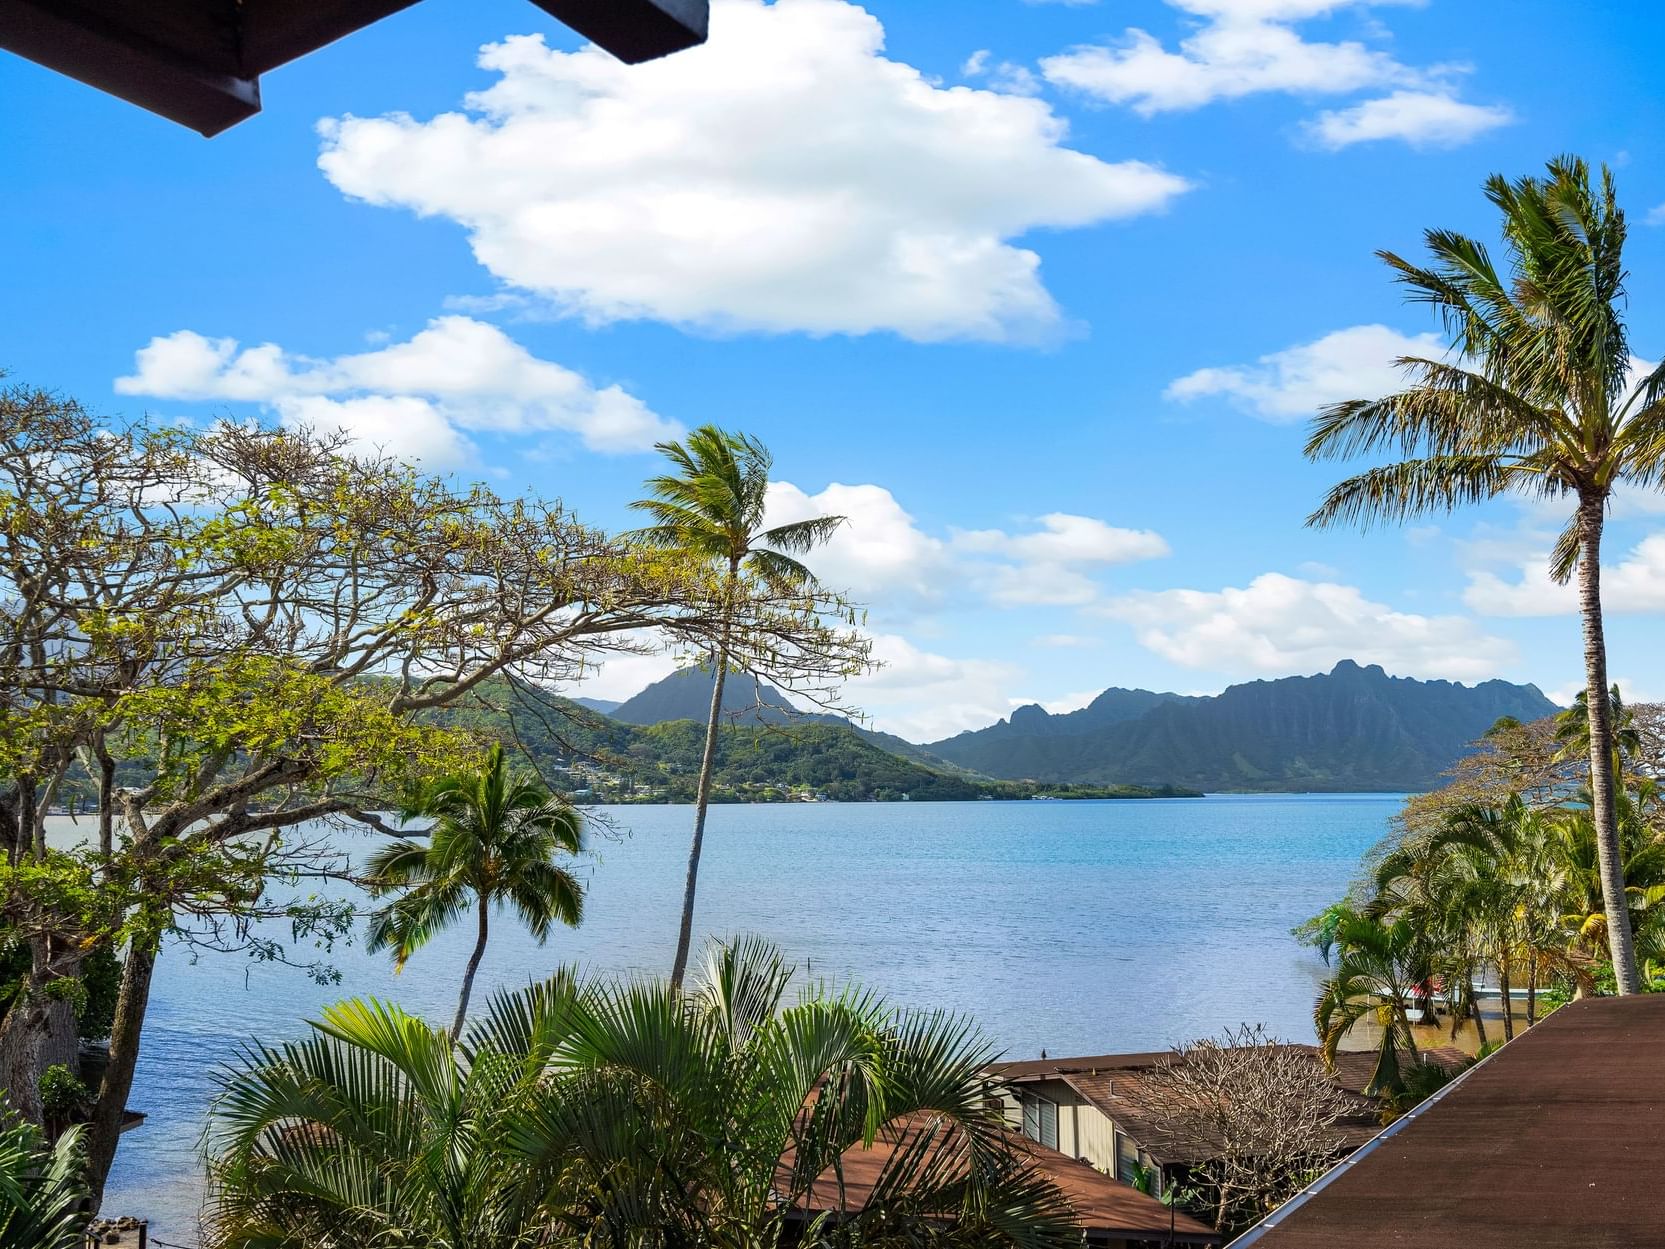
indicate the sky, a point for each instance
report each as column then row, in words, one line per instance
column 1038, row 295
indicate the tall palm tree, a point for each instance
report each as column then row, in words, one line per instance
column 617, row 1114
column 496, row 840
column 711, row 508
column 43, row 1188
column 1535, row 397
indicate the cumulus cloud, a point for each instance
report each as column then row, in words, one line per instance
column 1291, row 385
column 785, row 176
column 925, row 696
column 881, row 554
column 1066, row 539
column 1239, row 48
column 418, row 399
column 1419, row 118
column 1278, row 624
column 1634, row 583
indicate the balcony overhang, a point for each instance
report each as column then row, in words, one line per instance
column 198, row 62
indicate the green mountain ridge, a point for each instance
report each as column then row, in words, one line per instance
column 771, row 757
column 1353, row 728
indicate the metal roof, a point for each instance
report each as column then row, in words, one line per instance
column 198, row 62
column 1554, row 1140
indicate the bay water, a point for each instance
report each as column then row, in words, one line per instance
column 1073, row 927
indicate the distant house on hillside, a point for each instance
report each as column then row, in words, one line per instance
column 1103, row 1110
column 1552, row 1141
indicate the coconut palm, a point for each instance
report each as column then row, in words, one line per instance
column 626, row 1114
column 43, row 1189
column 1583, row 912
column 496, row 841
column 1377, row 969
column 1535, row 398
column 711, row 509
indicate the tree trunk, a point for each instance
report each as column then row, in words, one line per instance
column 1479, row 1021
column 473, row 966
column 702, row 799
column 1609, row 854
column 1532, row 990
column 131, row 1003
column 1508, row 1002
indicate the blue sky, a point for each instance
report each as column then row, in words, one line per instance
column 1038, row 294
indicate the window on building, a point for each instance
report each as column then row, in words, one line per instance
column 1040, row 1120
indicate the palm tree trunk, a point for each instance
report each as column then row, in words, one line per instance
column 473, row 966
column 1508, row 1002
column 1532, row 990
column 1479, row 1020
column 1591, row 516
column 702, row 799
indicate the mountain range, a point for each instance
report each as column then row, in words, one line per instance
column 1353, row 728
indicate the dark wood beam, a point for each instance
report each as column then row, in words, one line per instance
column 634, row 30
column 200, row 88
column 198, row 62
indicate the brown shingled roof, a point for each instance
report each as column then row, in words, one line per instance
column 1554, row 1140
column 1106, row 1207
column 1120, row 1085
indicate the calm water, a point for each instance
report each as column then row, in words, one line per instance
column 1081, row 927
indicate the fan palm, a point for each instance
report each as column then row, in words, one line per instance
column 711, row 509
column 626, row 1114
column 43, row 1190
column 1536, row 398
column 496, row 840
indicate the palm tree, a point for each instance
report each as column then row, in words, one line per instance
column 627, row 1114
column 1583, row 913
column 43, row 1189
column 495, row 841
column 1378, row 968
column 711, row 508
column 1536, row 398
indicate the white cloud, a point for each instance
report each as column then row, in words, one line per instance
column 1239, row 48
column 1419, row 118
column 1655, row 215
column 1278, row 624
column 418, row 399
column 1633, row 584
column 1291, row 385
column 1006, row 76
column 881, row 555
column 785, row 176
column 925, row 696
column 1067, row 539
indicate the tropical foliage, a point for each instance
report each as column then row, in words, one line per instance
column 1497, row 878
column 218, row 634
column 43, row 1191
column 711, row 511
column 495, row 841
column 1536, row 397
column 605, row 1113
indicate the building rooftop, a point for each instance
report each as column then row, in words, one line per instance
column 1107, row 1208
column 1121, row 1086
column 1553, row 1140
column 198, row 62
